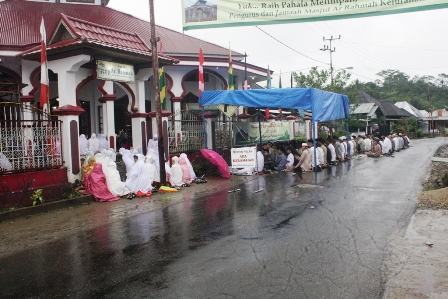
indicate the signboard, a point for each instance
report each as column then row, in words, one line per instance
column 244, row 157
column 112, row 71
column 227, row 13
column 249, row 133
column 228, row 110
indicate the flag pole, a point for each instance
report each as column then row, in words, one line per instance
column 155, row 70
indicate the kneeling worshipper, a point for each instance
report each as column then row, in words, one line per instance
column 94, row 144
column 102, row 158
column 104, row 145
column 138, row 180
column 154, row 144
column 260, row 161
column 4, row 162
column 83, row 144
column 128, row 160
column 114, row 183
column 186, row 177
column 95, row 182
column 190, row 167
column 155, row 156
column 151, row 164
column 176, row 173
column 111, row 154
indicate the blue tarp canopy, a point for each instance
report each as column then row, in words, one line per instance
column 324, row 105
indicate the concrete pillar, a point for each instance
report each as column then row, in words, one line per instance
column 69, row 115
column 107, row 102
column 69, row 76
column 308, row 128
column 177, row 116
column 291, row 119
column 209, row 118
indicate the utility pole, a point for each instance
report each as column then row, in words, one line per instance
column 329, row 48
column 155, row 70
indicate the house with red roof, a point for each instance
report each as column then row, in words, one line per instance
column 100, row 76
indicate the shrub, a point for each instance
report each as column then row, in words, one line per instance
column 420, row 133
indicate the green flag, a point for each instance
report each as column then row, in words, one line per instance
column 162, row 86
column 231, row 84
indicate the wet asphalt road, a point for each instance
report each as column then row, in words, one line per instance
column 326, row 238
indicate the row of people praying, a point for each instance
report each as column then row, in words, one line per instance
column 328, row 152
column 142, row 173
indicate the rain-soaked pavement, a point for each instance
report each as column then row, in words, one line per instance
column 325, row 238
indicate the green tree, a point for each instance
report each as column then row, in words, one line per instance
column 321, row 79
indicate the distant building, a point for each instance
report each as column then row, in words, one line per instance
column 201, row 12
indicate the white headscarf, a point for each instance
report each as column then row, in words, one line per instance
column 4, row 162
column 103, row 159
column 83, row 144
column 139, row 178
column 154, row 144
column 151, row 164
column 104, row 144
column 114, row 183
column 190, row 167
column 110, row 153
column 176, row 170
column 128, row 160
column 155, row 157
column 94, row 144
column 89, row 155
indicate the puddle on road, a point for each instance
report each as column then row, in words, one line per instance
column 308, row 186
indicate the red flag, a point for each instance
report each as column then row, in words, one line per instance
column 201, row 72
column 160, row 47
column 44, row 82
column 268, row 83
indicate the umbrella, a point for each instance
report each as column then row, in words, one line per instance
column 217, row 160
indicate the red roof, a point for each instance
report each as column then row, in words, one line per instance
column 20, row 22
column 90, row 33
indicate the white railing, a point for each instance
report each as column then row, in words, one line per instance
column 28, row 145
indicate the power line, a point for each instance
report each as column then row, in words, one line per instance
column 289, row 46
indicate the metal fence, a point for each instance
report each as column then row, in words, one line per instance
column 221, row 135
column 29, row 139
column 186, row 135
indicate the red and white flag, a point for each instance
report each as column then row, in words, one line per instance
column 201, row 72
column 44, row 82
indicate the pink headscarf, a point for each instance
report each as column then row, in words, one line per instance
column 95, row 184
column 186, row 177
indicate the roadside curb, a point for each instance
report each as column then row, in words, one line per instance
column 45, row 207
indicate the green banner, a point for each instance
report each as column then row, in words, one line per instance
column 249, row 133
column 227, row 13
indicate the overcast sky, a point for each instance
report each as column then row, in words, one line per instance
column 414, row 43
